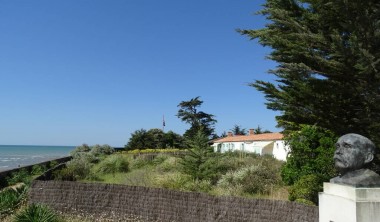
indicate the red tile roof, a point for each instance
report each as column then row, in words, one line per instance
column 254, row 137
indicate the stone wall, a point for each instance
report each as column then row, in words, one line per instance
column 163, row 205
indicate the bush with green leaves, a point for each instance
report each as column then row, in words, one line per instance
column 84, row 158
column 169, row 164
column 84, row 148
column 306, row 189
column 141, row 161
column 38, row 169
column 98, row 150
column 160, row 158
column 20, row 176
column 11, row 199
column 173, row 180
column 198, row 186
column 37, row 213
column 310, row 162
column 261, row 178
column 312, row 151
column 77, row 168
column 193, row 163
column 116, row 163
column 183, row 182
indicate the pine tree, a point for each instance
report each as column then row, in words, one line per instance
column 193, row 163
column 199, row 120
column 328, row 56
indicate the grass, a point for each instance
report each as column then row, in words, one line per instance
column 164, row 171
column 233, row 175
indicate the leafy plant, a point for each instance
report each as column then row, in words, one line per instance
column 175, row 180
column 199, row 120
column 84, row 148
column 141, row 161
column 255, row 179
column 38, row 169
column 306, row 189
column 20, row 176
column 11, row 199
column 113, row 164
column 193, row 163
column 37, row 213
column 98, row 150
column 77, row 168
column 169, row 164
column 142, row 151
column 312, row 150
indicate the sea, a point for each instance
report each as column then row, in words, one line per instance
column 14, row 156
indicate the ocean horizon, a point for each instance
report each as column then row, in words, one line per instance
column 14, row 156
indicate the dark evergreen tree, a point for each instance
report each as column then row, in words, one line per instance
column 157, row 138
column 140, row 139
column 260, row 130
column 198, row 120
column 154, row 139
column 328, row 56
column 193, row 163
column 173, row 140
column 237, row 130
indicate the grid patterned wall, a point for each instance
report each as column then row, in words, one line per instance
column 157, row 204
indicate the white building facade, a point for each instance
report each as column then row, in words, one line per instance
column 262, row 144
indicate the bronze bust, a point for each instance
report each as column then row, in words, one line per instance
column 352, row 157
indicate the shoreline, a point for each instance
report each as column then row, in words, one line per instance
column 7, row 172
column 42, row 160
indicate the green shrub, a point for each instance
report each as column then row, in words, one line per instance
column 77, row 168
column 160, row 158
column 306, row 189
column 261, row 178
column 38, row 169
column 98, row 150
column 20, row 176
column 11, row 199
column 193, row 163
column 141, row 161
column 198, row 186
column 312, row 150
column 143, row 151
column 84, row 148
column 52, row 164
column 66, row 174
column 174, row 181
column 116, row 163
column 37, row 213
column 236, row 190
column 140, row 177
column 169, row 164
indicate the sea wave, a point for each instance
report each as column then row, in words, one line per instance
column 12, row 156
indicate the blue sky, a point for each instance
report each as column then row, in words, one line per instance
column 94, row 71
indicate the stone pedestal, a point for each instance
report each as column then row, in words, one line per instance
column 341, row 203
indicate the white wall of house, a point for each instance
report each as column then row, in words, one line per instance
column 275, row 148
column 280, row 150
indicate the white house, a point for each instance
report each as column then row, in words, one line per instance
column 266, row 143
